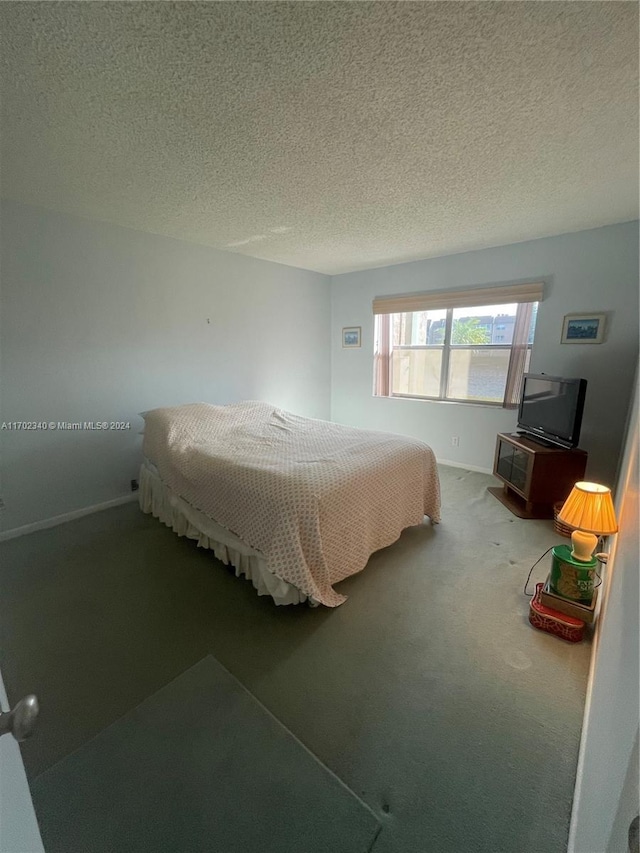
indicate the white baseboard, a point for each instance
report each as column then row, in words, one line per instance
column 67, row 516
column 465, row 466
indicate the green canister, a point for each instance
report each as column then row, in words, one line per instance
column 569, row 577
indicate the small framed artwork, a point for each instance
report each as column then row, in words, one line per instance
column 351, row 336
column 583, row 328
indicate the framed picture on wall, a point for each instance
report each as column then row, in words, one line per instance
column 583, row 328
column 351, row 336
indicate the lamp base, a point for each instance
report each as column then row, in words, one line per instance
column 584, row 544
column 571, row 578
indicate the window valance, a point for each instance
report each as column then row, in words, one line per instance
column 438, row 299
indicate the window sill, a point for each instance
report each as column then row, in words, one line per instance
column 474, row 403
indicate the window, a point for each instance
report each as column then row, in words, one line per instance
column 456, row 345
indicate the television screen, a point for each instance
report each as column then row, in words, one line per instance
column 551, row 407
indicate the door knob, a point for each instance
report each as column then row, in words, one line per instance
column 22, row 720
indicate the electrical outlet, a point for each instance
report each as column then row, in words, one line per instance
column 455, row 441
column 134, row 485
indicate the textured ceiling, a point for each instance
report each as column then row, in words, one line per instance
column 331, row 136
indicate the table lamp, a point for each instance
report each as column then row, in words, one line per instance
column 588, row 509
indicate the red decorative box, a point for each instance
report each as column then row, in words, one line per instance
column 542, row 617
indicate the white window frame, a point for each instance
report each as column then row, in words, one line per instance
column 524, row 295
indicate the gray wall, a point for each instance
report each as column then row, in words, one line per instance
column 99, row 323
column 627, row 805
column 606, row 795
column 594, row 270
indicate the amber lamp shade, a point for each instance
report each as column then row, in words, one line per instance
column 588, row 509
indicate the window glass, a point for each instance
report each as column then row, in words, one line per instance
column 416, row 371
column 419, row 328
column 477, row 374
column 488, row 324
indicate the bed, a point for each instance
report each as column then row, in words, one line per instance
column 294, row 504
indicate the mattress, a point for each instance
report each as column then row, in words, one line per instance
column 313, row 498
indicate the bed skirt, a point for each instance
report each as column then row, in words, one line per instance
column 156, row 498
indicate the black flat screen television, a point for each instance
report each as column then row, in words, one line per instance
column 551, row 408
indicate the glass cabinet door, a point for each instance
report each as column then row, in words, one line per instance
column 519, row 469
column 505, row 460
column 513, row 465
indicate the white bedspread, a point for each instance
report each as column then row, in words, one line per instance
column 316, row 498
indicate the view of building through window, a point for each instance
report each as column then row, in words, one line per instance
column 457, row 353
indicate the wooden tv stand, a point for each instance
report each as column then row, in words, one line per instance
column 535, row 476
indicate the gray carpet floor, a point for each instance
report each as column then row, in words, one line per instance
column 427, row 693
column 199, row 766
